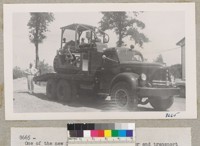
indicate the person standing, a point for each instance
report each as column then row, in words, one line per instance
column 31, row 72
column 82, row 41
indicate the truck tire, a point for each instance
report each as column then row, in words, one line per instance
column 161, row 104
column 122, row 97
column 64, row 91
column 51, row 89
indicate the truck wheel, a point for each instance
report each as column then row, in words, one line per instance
column 51, row 89
column 161, row 104
column 121, row 96
column 64, row 91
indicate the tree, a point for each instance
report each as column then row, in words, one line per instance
column 159, row 59
column 45, row 67
column 124, row 25
column 18, row 72
column 38, row 24
column 176, row 70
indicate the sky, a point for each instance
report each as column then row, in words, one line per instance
column 164, row 30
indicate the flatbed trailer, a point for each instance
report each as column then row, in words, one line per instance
column 58, row 76
column 64, row 87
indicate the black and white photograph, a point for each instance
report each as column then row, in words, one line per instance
column 100, row 59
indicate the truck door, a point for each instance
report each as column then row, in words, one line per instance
column 110, row 68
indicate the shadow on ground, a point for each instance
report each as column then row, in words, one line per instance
column 89, row 101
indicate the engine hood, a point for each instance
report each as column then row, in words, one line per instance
column 141, row 67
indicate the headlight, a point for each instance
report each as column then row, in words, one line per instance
column 143, row 77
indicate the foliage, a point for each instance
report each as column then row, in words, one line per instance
column 38, row 25
column 176, row 70
column 45, row 67
column 18, row 73
column 124, row 25
column 159, row 59
column 42, row 66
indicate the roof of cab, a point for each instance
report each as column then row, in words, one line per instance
column 129, row 49
column 81, row 27
column 123, row 48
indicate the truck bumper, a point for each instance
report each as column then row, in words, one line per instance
column 157, row 92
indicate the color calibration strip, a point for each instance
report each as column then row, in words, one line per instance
column 101, row 133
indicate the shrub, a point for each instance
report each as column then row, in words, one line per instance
column 18, row 73
column 45, row 67
column 176, row 70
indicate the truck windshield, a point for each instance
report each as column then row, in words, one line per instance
column 126, row 55
column 68, row 36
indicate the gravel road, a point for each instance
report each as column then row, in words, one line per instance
column 38, row 102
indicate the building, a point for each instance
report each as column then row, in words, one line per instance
column 181, row 43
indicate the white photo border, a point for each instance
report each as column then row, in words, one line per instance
column 190, row 31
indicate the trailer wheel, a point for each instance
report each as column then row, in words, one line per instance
column 122, row 97
column 64, row 91
column 51, row 89
column 161, row 104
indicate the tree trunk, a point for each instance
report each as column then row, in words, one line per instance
column 36, row 44
column 120, row 32
column 120, row 40
column 36, row 55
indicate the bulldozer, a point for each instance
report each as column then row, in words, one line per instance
column 77, row 43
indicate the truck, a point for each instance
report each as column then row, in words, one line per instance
column 85, row 62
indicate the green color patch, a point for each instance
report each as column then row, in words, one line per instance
column 115, row 133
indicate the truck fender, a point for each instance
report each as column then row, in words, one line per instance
column 130, row 78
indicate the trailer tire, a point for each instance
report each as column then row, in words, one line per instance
column 122, row 97
column 64, row 91
column 51, row 89
column 161, row 104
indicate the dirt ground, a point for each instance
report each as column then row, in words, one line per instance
column 38, row 102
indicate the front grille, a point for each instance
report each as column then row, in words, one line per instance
column 160, row 75
column 161, row 78
column 160, row 83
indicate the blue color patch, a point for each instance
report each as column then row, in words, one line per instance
column 122, row 133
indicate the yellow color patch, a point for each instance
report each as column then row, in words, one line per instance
column 107, row 133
